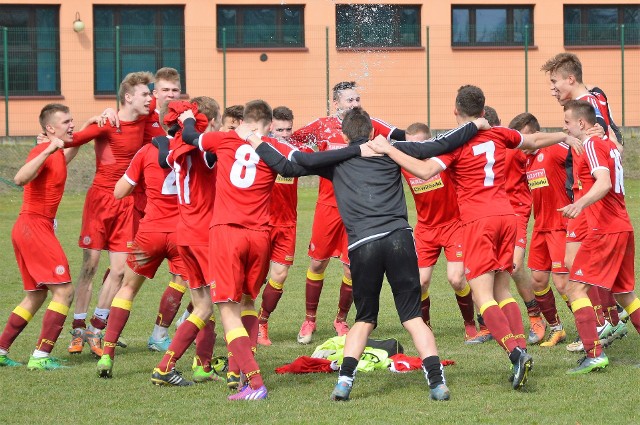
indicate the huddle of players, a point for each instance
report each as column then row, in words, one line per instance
column 243, row 327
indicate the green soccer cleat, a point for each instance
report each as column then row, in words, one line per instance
column 220, row 364
column 590, row 364
column 619, row 331
column 199, row 375
column 105, row 367
column 44, row 363
column 6, row 361
column 605, row 333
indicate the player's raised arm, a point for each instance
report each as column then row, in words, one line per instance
column 418, row 167
column 541, row 140
column 30, row 170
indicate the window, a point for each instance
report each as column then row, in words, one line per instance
column 479, row 26
column 33, row 41
column 261, row 26
column 377, row 25
column 151, row 37
column 597, row 25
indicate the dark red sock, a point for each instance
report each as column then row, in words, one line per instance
column 240, row 346
column 547, row 302
column 313, row 289
column 98, row 323
column 498, row 325
column 270, row 297
column 118, row 318
column 205, row 341
column 183, row 338
column 52, row 324
column 169, row 304
column 250, row 322
column 465, row 304
column 512, row 312
column 609, row 308
column 594, row 297
column 18, row 320
column 425, row 307
column 586, row 327
column 345, row 300
column 78, row 324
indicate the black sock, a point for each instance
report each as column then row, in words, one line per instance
column 480, row 320
column 515, row 355
column 433, row 371
column 348, row 367
column 532, row 303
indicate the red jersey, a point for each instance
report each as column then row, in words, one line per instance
column 152, row 127
column 436, row 202
column 516, row 182
column 326, row 134
column 478, row 170
column 546, row 176
column 601, row 111
column 243, row 181
column 284, row 202
column 196, row 187
column 114, row 148
column 43, row 194
column 609, row 214
column 160, row 212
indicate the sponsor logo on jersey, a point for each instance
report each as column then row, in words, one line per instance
column 579, row 272
column 332, row 146
column 537, row 179
column 556, row 265
column 284, row 180
column 60, row 270
column 421, row 186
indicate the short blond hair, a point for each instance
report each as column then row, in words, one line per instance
column 168, row 74
column 566, row 64
column 207, row 106
column 128, row 84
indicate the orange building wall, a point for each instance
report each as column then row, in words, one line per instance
column 393, row 83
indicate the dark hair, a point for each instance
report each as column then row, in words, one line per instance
column 48, row 111
column 356, row 124
column 418, row 127
column 470, row 101
column 491, row 115
column 258, row 111
column 236, row 112
column 525, row 119
column 566, row 64
column 581, row 109
column 282, row 113
column 343, row 85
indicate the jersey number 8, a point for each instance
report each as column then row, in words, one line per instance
column 243, row 171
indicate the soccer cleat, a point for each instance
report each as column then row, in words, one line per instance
column 94, row 340
column 172, row 378
column 590, row 364
column 122, row 343
column 44, row 363
column 521, row 368
column 555, row 337
column 199, row 375
column 481, row 337
column 341, row 327
column 105, row 367
column 248, row 393
column 604, row 333
column 623, row 315
column 77, row 341
column 537, row 328
column 440, row 393
column 233, row 381
column 306, row 331
column 619, row 331
column 6, row 361
column 220, row 364
column 263, row 334
column 160, row 345
column 470, row 331
column 341, row 391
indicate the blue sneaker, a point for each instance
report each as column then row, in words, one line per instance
column 160, row 346
column 6, row 361
column 341, row 391
column 440, row 393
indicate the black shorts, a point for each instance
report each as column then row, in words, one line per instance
column 395, row 256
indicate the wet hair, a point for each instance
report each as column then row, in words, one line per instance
column 258, row 111
column 133, row 79
column 418, row 127
column 523, row 120
column 491, row 115
column 566, row 64
column 343, row 85
column 282, row 113
column 49, row 111
column 581, row 109
column 356, row 124
column 235, row 112
column 470, row 101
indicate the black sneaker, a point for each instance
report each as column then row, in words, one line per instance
column 521, row 368
column 171, row 378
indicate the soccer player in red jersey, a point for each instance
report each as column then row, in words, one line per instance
column 606, row 256
column 520, row 199
column 107, row 223
column 478, row 170
column 328, row 237
column 195, row 183
column 546, row 177
column 232, row 117
column 439, row 228
column 41, row 260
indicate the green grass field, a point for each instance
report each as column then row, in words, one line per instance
column 478, row 380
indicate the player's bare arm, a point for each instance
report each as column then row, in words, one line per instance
column 424, row 169
column 541, row 140
column 29, row 171
column 598, row 191
column 123, row 188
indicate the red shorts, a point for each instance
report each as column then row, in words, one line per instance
column 283, row 244
column 239, row 262
column 39, row 255
column 522, row 223
column 107, row 222
column 489, row 244
column 328, row 236
column 431, row 240
column 148, row 251
column 196, row 263
column 606, row 261
column 577, row 229
column 546, row 252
